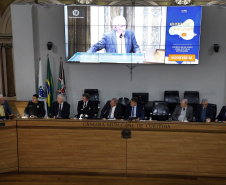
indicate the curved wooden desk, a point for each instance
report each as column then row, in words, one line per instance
column 98, row 146
column 8, row 146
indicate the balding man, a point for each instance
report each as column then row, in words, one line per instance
column 118, row 40
column 5, row 110
column 183, row 112
column 60, row 108
column 204, row 112
column 112, row 110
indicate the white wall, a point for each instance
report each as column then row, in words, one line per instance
column 47, row 24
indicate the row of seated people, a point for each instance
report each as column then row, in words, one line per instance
column 111, row 110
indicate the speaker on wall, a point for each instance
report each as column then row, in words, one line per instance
column 216, row 47
column 49, row 45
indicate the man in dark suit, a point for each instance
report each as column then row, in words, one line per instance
column 5, row 110
column 222, row 115
column 85, row 107
column 183, row 112
column 112, row 110
column 118, row 40
column 35, row 108
column 60, row 108
column 134, row 110
column 204, row 112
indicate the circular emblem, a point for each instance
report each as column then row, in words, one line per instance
column 75, row 13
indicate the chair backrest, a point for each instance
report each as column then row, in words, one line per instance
column 142, row 97
column 124, row 101
column 192, row 97
column 93, row 94
column 214, row 110
column 171, row 96
column 160, row 110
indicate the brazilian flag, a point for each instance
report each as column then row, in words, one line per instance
column 49, row 88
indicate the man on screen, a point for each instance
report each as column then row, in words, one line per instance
column 118, row 40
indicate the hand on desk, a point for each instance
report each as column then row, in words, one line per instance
column 33, row 116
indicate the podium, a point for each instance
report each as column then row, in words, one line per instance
column 84, row 57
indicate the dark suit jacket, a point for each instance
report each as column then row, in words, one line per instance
column 106, row 110
column 88, row 110
column 209, row 112
column 109, row 42
column 221, row 115
column 139, row 111
column 7, row 109
column 65, row 112
column 177, row 111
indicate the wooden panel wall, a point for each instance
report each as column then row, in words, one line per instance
column 8, row 147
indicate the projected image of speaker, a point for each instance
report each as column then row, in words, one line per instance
column 142, row 97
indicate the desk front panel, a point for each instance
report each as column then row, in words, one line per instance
column 8, row 147
column 192, row 149
column 53, row 145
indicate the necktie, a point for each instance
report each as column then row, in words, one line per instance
column 84, row 106
column 183, row 109
column 59, row 111
column 132, row 111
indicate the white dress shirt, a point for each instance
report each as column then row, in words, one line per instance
column 121, row 43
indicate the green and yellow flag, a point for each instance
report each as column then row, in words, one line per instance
column 49, row 88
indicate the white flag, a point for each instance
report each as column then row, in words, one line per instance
column 41, row 91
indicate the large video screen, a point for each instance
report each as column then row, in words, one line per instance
column 130, row 34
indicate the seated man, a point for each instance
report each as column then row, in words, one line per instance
column 134, row 110
column 183, row 112
column 60, row 108
column 204, row 112
column 222, row 115
column 35, row 108
column 85, row 107
column 112, row 110
column 5, row 110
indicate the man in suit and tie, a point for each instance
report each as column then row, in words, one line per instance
column 134, row 110
column 204, row 112
column 85, row 107
column 222, row 115
column 118, row 40
column 183, row 112
column 5, row 110
column 112, row 110
column 60, row 108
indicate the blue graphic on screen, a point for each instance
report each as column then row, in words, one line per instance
column 183, row 35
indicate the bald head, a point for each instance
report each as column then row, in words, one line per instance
column 113, row 102
column 60, row 98
column 184, row 103
column 119, row 24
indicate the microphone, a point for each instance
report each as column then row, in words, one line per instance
column 120, row 36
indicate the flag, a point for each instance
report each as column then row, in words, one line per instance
column 61, row 80
column 41, row 92
column 49, row 88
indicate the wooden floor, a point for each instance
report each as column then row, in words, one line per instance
column 53, row 179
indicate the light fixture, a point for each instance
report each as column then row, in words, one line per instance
column 183, row 2
column 84, row 1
